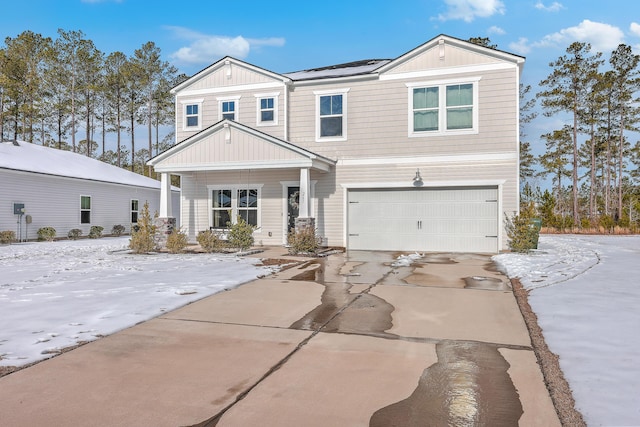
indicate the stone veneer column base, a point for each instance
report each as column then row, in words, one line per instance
column 164, row 227
column 305, row 223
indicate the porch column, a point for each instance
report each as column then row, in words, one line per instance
column 165, row 196
column 165, row 223
column 304, row 220
column 305, row 194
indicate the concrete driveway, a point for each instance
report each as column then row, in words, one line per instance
column 346, row 340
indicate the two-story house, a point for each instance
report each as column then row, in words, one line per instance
column 417, row 153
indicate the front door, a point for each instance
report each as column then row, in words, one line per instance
column 293, row 199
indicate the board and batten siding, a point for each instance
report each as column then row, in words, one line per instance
column 240, row 147
column 54, row 201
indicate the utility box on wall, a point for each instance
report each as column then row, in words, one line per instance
column 18, row 208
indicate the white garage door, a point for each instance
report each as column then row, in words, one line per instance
column 420, row 219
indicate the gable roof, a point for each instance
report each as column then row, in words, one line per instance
column 33, row 158
column 229, row 145
column 228, row 60
column 444, row 39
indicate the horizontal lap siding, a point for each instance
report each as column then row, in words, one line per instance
column 55, row 202
column 246, row 108
column 331, row 196
column 196, row 206
column 378, row 114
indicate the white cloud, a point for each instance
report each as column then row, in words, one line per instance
column 521, row 47
column 602, row 37
column 496, row 30
column 203, row 48
column 468, row 10
column 553, row 7
column 635, row 29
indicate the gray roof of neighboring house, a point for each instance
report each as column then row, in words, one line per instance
column 28, row 157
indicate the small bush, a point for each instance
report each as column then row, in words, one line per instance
column 117, row 230
column 46, row 233
column 74, row 233
column 177, row 241
column 7, row 237
column 95, row 232
column 210, row 241
column 241, row 235
column 304, row 241
column 522, row 234
column 143, row 239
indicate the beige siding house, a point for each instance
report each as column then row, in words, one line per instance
column 416, row 153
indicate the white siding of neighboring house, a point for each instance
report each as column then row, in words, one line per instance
column 54, row 201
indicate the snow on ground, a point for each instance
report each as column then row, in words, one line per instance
column 585, row 291
column 57, row 294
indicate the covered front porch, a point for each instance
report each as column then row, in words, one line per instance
column 230, row 171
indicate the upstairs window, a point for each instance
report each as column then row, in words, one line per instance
column 192, row 115
column 228, row 108
column 332, row 117
column 460, row 106
column 85, row 209
column 267, row 109
column 446, row 108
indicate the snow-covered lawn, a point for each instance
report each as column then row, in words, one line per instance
column 585, row 291
column 56, row 294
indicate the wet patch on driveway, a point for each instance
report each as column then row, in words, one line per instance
column 468, row 386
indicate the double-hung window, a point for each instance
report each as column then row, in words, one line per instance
column 134, row 211
column 85, row 209
column 443, row 108
column 192, row 113
column 229, row 203
column 267, row 109
column 331, row 107
column 228, row 108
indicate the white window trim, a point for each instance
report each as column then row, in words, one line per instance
column 318, row 94
column 234, row 201
column 260, row 96
column 184, row 103
column 90, row 210
column 442, row 108
column 236, row 99
column 131, row 210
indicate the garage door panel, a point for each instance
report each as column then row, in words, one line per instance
column 447, row 219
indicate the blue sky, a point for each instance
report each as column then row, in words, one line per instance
column 284, row 36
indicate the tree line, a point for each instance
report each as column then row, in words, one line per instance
column 60, row 93
column 592, row 161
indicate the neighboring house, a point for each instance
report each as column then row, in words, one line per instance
column 65, row 190
column 417, row 153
